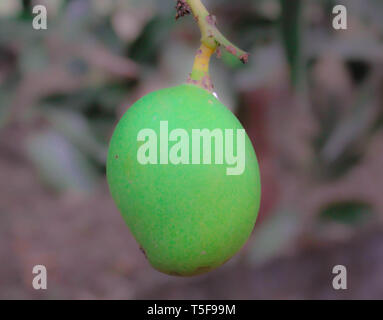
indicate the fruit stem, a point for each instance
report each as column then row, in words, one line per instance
column 211, row 40
column 200, row 72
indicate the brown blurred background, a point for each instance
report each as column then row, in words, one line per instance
column 310, row 98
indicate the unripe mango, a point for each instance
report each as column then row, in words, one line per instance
column 187, row 217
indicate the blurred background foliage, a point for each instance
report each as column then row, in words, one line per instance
column 310, row 99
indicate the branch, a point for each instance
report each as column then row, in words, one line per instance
column 210, row 35
column 211, row 40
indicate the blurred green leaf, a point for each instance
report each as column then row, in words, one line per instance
column 231, row 60
column 291, row 27
column 33, row 59
column 340, row 151
column 59, row 163
column 349, row 212
column 10, row 8
column 145, row 48
column 75, row 127
column 105, row 98
column 4, row 107
column 273, row 236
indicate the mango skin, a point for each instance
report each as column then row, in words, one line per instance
column 187, row 218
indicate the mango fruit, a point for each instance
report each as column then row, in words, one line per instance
column 187, row 217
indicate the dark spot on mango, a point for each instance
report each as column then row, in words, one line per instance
column 143, row 251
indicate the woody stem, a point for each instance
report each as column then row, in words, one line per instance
column 211, row 39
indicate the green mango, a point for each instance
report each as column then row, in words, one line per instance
column 187, row 217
